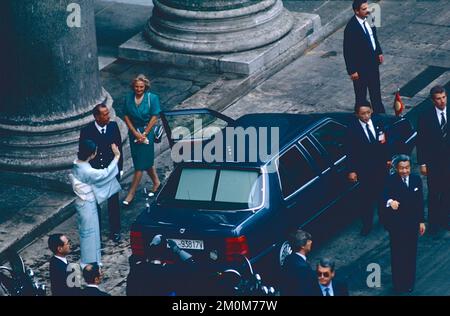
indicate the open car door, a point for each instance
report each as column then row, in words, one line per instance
column 401, row 137
column 192, row 127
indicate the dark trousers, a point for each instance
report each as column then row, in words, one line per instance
column 369, row 80
column 369, row 199
column 403, row 257
column 113, row 214
column 438, row 197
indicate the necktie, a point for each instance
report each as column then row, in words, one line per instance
column 327, row 291
column 443, row 125
column 405, row 181
column 369, row 133
column 104, row 130
column 367, row 34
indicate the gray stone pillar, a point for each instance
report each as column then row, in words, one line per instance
column 51, row 81
column 216, row 26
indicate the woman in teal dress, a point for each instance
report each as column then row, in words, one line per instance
column 141, row 114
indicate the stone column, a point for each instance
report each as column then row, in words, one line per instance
column 51, row 81
column 216, row 26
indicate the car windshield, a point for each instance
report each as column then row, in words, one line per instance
column 215, row 189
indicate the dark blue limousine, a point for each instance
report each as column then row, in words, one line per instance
column 229, row 197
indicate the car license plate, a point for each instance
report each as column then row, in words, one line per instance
column 189, row 244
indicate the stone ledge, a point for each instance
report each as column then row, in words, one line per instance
column 33, row 220
column 247, row 63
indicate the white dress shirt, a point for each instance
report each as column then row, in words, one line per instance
column 371, row 127
column 62, row 259
column 406, row 181
column 301, row 255
column 369, row 29
column 330, row 287
column 100, row 128
column 438, row 113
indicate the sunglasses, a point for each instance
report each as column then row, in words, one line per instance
column 324, row 274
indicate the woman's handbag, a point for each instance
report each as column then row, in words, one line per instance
column 158, row 130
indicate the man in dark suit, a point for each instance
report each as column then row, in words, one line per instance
column 329, row 285
column 363, row 55
column 433, row 154
column 403, row 217
column 298, row 278
column 92, row 275
column 59, row 244
column 104, row 133
column 368, row 156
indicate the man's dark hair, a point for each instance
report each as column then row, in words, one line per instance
column 326, row 263
column 96, row 109
column 299, row 238
column 400, row 158
column 54, row 241
column 90, row 272
column 437, row 90
column 357, row 4
column 360, row 105
column 86, row 148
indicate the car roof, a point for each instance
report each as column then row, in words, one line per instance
column 290, row 127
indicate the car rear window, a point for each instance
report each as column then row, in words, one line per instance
column 214, row 188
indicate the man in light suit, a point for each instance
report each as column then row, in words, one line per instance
column 403, row 217
column 105, row 132
column 433, row 155
column 298, row 278
column 368, row 156
column 363, row 55
column 329, row 285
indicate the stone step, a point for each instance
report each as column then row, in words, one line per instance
column 248, row 62
column 34, row 219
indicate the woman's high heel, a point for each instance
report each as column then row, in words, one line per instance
column 151, row 193
column 127, row 203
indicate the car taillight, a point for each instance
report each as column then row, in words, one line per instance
column 235, row 246
column 137, row 243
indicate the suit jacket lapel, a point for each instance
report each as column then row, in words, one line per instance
column 436, row 124
column 363, row 131
column 365, row 37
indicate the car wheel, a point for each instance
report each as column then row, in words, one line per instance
column 285, row 250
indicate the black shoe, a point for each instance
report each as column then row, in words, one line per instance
column 116, row 237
